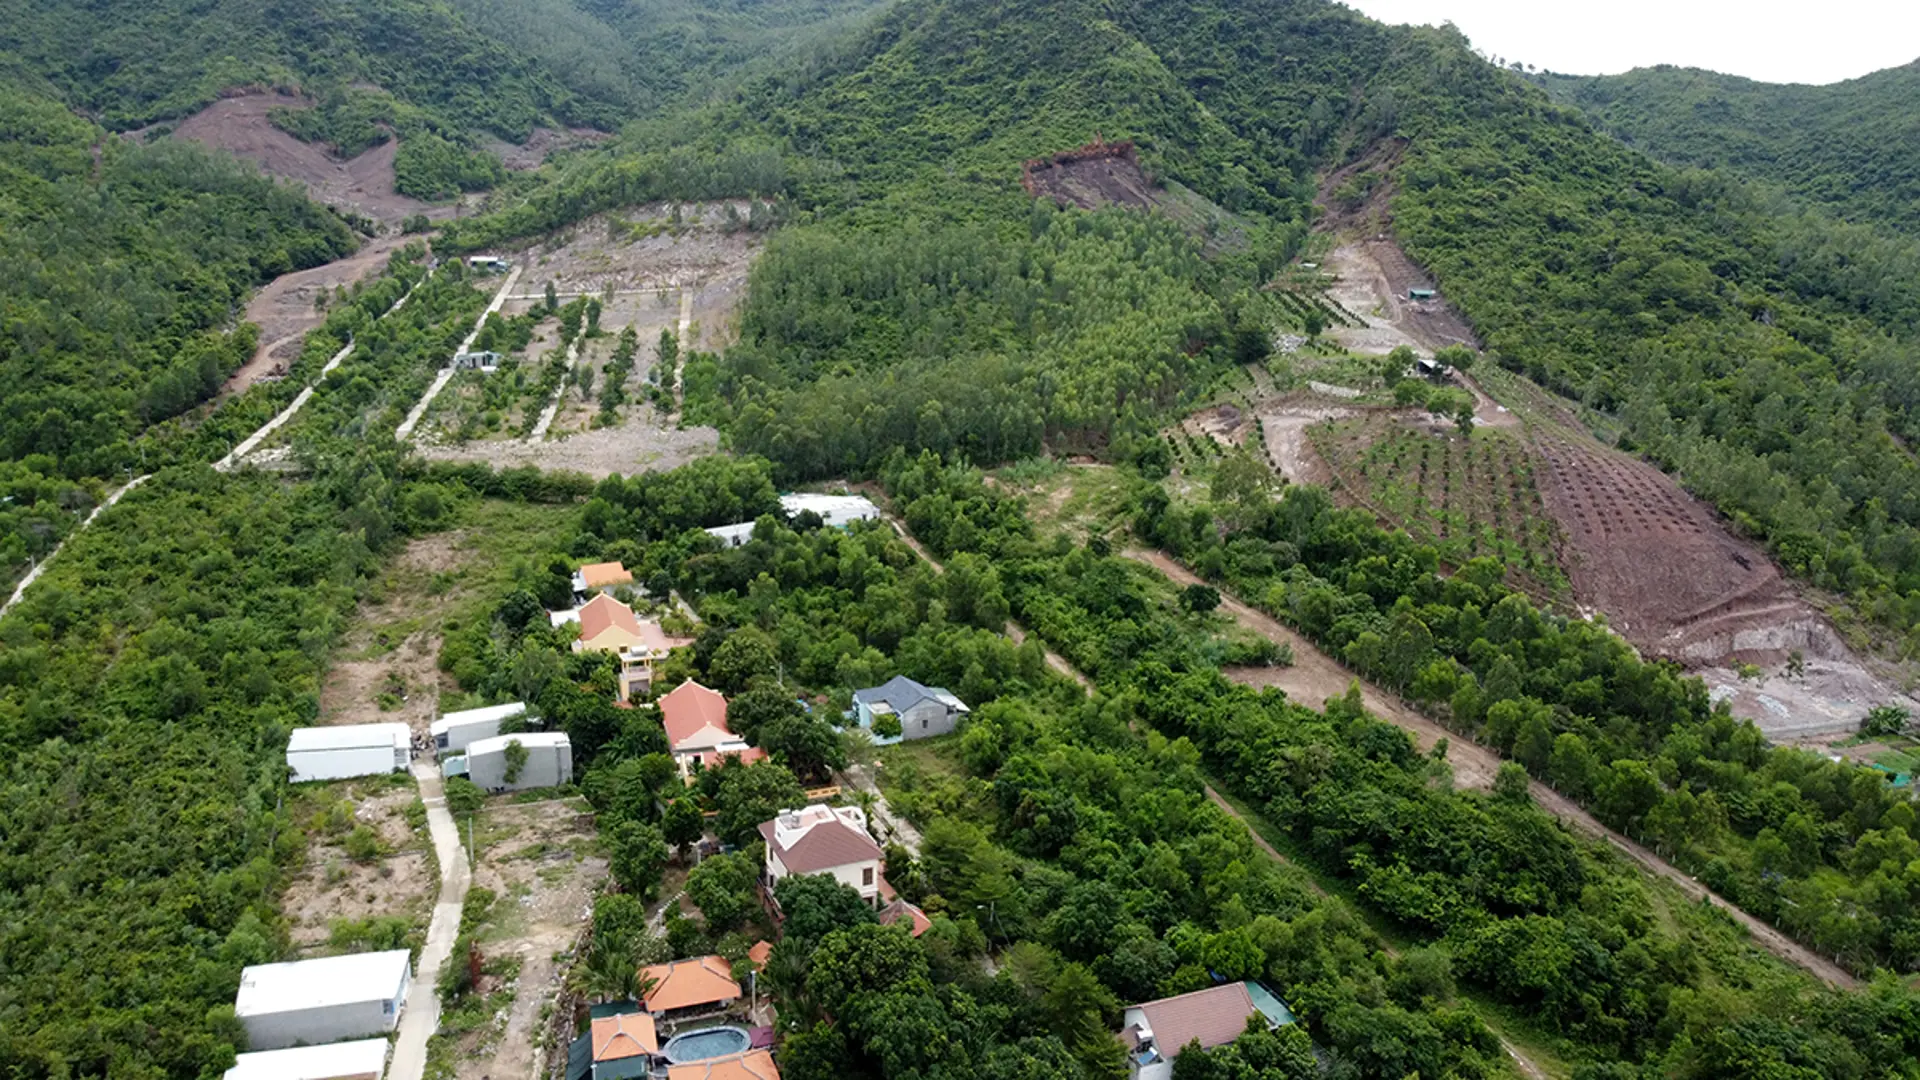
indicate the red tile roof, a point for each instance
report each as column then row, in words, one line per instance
column 759, row 953
column 689, row 709
column 1216, row 1016
column 899, row 910
column 752, row 1065
column 624, row 1036
column 602, row 613
column 685, row 984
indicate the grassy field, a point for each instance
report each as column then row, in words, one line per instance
column 1467, row 497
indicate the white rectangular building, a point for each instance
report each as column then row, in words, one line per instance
column 310, row 1002
column 362, row 1060
column 453, row 732
column 835, row 511
column 347, row 750
column 549, row 761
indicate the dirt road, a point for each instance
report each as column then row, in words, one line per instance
column 1059, row 663
column 1314, row 673
column 284, row 310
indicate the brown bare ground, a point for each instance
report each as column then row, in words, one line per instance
column 1474, row 765
column 533, row 153
column 395, row 639
column 363, row 184
column 332, row 886
column 545, row 882
column 284, row 310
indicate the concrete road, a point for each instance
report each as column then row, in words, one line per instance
column 890, row 824
column 422, row 1016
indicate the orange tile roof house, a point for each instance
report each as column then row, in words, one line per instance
column 697, row 733
column 824, row 840
column 607, row 625
column 624, row 1038
column 684, row 986
column 752, row 1065
column 599, row 577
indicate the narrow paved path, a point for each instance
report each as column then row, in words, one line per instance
column 897, row 827
column 553, row 407
column 1478, row 763
column 680, row 360
column 440, row 381
column 422, row 1016
column 40, row 567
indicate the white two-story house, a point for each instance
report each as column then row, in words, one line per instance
column 824, row 840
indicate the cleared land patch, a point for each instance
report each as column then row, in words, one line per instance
column 368, row 878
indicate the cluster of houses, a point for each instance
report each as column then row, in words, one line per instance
column 328, row 1019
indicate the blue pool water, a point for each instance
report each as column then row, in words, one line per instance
column 706, row 1043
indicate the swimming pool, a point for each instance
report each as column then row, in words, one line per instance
column 706, row 1043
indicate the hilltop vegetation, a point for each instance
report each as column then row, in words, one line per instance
column 1852, row 147
column 1760, row 357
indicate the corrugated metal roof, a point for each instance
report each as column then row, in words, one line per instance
column 364, row 1059
column 486, row 714
column 531, row 740
column 348, row 737
column 315, row 984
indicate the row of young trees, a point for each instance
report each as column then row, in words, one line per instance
column 1524, row 911
column 1821, row 848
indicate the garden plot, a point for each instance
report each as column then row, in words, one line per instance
column 541, row 862
column 1468, row 497
column 368, row 878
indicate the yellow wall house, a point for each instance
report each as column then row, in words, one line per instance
column 607, row 625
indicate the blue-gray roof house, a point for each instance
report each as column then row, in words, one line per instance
column 924, row 711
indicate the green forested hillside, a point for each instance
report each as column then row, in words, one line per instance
column 1764, row 356
column 1852, row 147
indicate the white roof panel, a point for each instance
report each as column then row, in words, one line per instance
column 833, row 509
column 348, row 737
column 528, row 739
column 485, row 715
column 361, row 1058
column 317, row 984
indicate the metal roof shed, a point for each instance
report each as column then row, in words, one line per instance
column 323, row 1001
column 362, row 1060
column 549, row 761
column 455, row 731
column 346, row 750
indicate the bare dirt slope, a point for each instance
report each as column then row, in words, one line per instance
column 1660, row 564
column 363, row 184
column 331, row 885
column 394, row 643
column 533, row 153
column 284, row 310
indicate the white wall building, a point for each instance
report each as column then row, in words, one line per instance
column 347, row 750
column 362, row 1060
column 310, row 1002
column 453, row 732
column 836, row 512
column 549, row 761
column 824, row 840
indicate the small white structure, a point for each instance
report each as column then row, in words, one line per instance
column 348, row 750
column 455, row 731
column 321, row 1001
column 485, row 360
column 836, row 512
column 491, row 264
column 549, row 761
column 824, row 840
column 362, row 1060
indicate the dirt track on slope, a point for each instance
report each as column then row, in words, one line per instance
column 364, row 184
column 1476, row 765
column 284, row 310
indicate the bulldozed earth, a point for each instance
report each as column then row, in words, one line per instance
column 1631, row 545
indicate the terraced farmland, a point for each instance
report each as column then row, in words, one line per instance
column 1467, row 497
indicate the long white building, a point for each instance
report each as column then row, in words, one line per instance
column 348, row 750
column 309, row 1002
column 455, row 731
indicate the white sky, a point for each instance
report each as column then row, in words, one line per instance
column 1771, row 40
